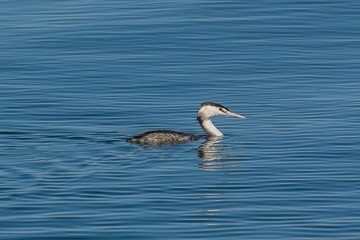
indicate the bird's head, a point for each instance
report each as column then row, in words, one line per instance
column 210, row 109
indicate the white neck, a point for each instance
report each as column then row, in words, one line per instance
column 209, row 128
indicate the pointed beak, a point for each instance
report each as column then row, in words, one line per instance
column 232, row 114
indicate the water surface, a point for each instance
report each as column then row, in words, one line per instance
column 78, row 78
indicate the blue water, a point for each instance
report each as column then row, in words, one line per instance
column 79, row 77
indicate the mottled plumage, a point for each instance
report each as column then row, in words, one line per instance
column 163, row 137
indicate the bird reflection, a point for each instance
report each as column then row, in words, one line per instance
column 213, row 154
column 209, row 150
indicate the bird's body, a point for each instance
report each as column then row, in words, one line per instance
column 166, row 137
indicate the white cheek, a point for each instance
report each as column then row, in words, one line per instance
column 215, row 111
column 218, row 112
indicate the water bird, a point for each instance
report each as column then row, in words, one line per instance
column 166, row 137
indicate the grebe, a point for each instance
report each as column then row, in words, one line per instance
column 165, row 137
